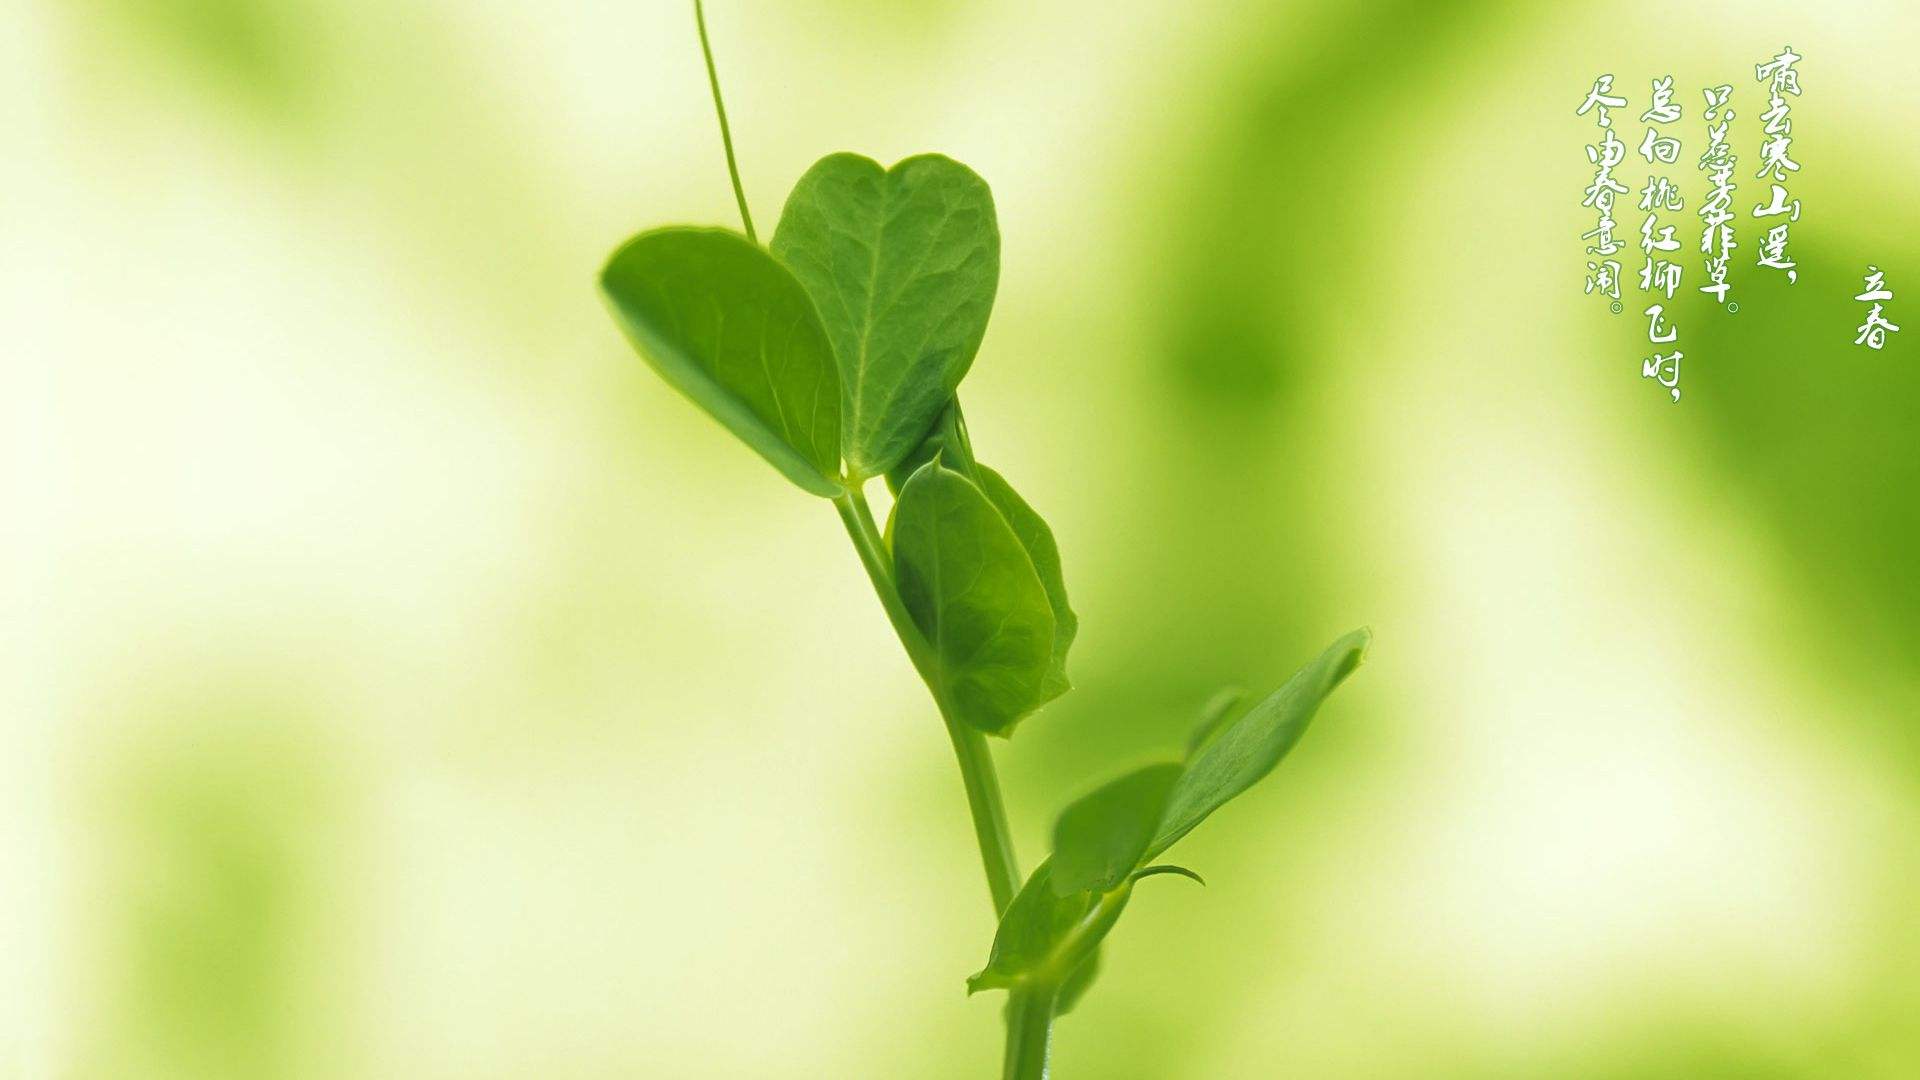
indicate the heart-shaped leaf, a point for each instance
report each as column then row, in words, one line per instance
column 1044, row 938
column 1248, row 749
column 948, row 440
column 1098, row 841
column 728, row 326
column 902, row 265
column 973, row 592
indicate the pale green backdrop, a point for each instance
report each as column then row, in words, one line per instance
column 409, row 685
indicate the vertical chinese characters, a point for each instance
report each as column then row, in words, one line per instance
column 1603, row 272
column 1659, row 273
column 1716, row 213
column 1873, row 333
column 1661, row 268
column 1782, row 78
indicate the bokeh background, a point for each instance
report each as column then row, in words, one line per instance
column 402, row 682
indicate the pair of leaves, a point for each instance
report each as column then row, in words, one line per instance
column 843, row 344
column 1106, row 841
column 980, row 573
column 841, row 349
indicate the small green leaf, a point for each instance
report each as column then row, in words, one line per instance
column 1218, row 710
column 1098, row 840
column 1248, row 749
column 1044, row 937
column 1076, row 985
column 973, row 592
column 948, row 440
column 729, row 327
column 1037, row 538
column 1169, row 868
column 902, row 265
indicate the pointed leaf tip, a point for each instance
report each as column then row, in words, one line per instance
column 1246, row 750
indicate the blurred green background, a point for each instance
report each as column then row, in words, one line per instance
column 408, row 684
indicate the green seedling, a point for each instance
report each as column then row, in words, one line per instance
column 836, row 354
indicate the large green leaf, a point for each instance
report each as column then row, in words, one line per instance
column 729, row 327
column 1044, row 937
column 972, row 590
column 948, row 440
column 1246, row 750
column 902, row 265
column 1098, row 841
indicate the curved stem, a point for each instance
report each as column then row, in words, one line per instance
column 1029, row 1032
column 726, row 134
column 969, row 746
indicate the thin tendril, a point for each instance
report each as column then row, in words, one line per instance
column 726, row 135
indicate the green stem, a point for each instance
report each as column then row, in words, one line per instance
column 1030, row 1013
column 1029, row 1032
column 989, row 812
column 969, row 746
column 726, row 134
